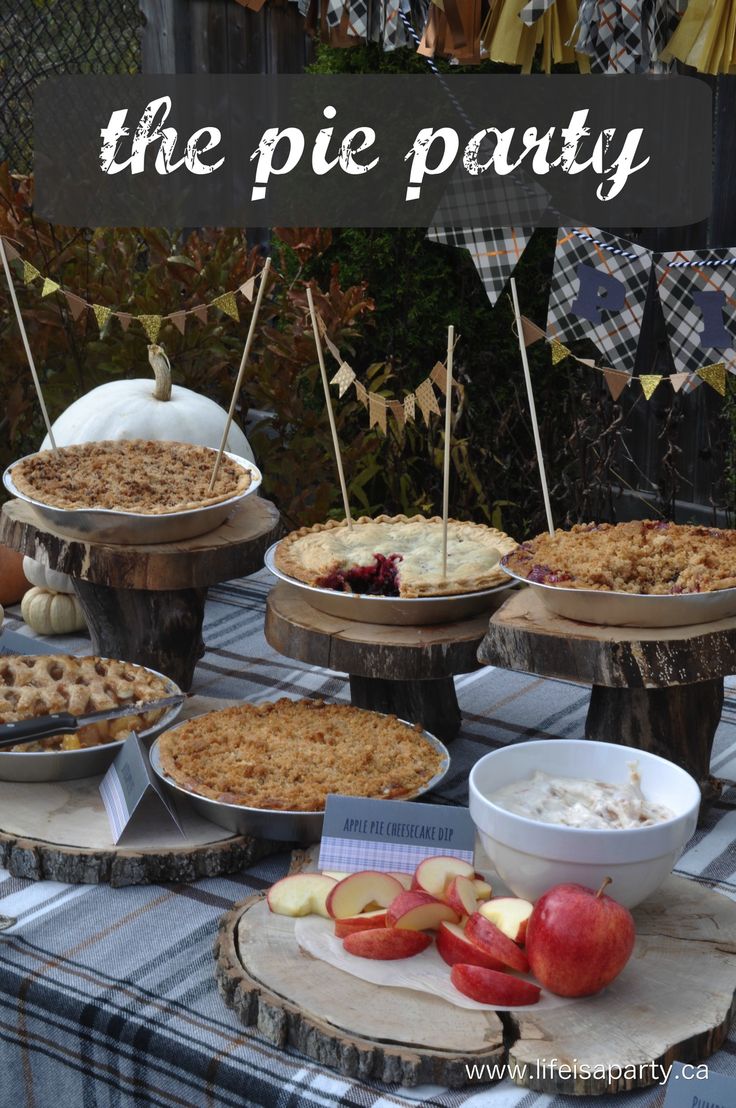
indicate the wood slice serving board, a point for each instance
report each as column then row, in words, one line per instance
column 674, row 1001
column 59, row 831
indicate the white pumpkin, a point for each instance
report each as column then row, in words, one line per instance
column 136, row 410
column 52, row 613
column 44, row 578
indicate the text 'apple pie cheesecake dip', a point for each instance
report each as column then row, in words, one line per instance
column 575, row 802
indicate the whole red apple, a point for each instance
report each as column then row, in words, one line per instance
column 578, row 940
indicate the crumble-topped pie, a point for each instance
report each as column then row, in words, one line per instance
column 290, row 754
column 645, row 557
column 130, row 475
column 37, row 685
column 395, row 556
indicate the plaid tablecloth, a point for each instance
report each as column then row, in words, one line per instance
column 107, row 996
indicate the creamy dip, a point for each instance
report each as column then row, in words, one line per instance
column 574, row 802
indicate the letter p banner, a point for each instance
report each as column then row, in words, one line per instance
column 598, row 292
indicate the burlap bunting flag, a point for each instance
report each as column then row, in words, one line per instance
column 439, row 376
column 49, row 286
column 715, row 376
column 426, row 400
column 409, row 408
column 376, row 411
column 397, row 408
column 151, row 324
column 649, row 382
column 102, row 314
column 361, row 393
column 179, row 319
column 343, row 378
column 616, row 381
column 228, row 304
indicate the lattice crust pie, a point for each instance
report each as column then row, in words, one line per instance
column 645, row 557
column 289, row 754
column 36, row 685
column 137, row 475
column 395, row 556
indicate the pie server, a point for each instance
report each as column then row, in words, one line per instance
column 63, row 723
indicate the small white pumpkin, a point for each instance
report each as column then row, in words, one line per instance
column 44, row 578
column 133, row 410
column 52, row 613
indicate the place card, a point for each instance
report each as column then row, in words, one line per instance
column 136, row 805
column 689, row 1087
column 391, row 835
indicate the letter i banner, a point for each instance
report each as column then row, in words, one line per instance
column 697, row 289
column 598, row 292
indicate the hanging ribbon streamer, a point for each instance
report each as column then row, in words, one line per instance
column 705, row 37
column 515, row 30
column 625, row 37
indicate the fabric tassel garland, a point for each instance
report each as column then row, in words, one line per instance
column 514, row 30
column 625, row 37
column 706, row 37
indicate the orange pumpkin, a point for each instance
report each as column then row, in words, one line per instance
column 13, row 583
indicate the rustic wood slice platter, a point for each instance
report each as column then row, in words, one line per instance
column 674, row 1001
column 145, row 603
column 657, row 689
column 59, row 831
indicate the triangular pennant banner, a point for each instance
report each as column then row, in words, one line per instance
column 247, row 288
column 343, row 378
column 697, row 291
column 49, row 286
column 332, row 348
column 125, row 319
column 102, row 314
column 616, row 381
column 76, row 304
column 228, row 304
column 397, row 409
column 151, row 324
column 376, row 411
column 427, row 400
column 494, row 250
column 715, row 376
column 409, row 408
column 30, row 273
column 439, row 376
column 559, row 352
column 530, row 332
column 10, row 252
column 179, row 319
column 361, row 393
column 200, row 313
column 677, row 380
column 649, row 382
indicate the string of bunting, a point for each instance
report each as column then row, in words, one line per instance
column 151, row 323
column 714, row 375
column 378, row 407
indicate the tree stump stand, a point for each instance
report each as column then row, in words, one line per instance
column 653, row 688
column 404, row 670
column 145, row 603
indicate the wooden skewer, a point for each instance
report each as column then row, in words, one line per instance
column 241, row 371
column 448, row 435
column 330, row 413
column 532, row 408
column 26, row 344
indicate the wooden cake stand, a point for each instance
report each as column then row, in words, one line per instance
column 405, row 670
column 657, row 689
column 145, row 604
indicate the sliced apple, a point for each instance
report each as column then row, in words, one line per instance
column 362, row 922
column 433, row 874
column 492, row 941
column 418, row 911
column 404, row 879
column 356, row 892
column 300, row 894
column 336, row 875
column 488, row 986
column 483, row 891
column 386, row 943
column 454, row 946
column 510, row 915
column 460, row 895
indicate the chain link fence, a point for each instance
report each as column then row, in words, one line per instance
column 41, row 38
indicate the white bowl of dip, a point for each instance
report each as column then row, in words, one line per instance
column 531, row 856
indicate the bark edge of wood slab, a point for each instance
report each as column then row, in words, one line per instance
column 681, row 936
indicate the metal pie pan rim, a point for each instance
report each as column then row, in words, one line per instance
column 693, row 598
column 290, row 813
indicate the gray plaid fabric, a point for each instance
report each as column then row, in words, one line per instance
column 335, row 8
column 617, row 335
column 494, row 250
column 107, row 996
column 677, row 279
column 624, row 37
column 534, row 10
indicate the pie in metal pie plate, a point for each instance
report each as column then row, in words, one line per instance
column 117, row 526
column 628, row 609
column 276, row 823
column 67, row 765
column 404, row 611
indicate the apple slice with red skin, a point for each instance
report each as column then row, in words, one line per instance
column 357, row 891
column 300, row 894
column 418, row 911
column 434, row 874
column 363, row 922
column 460, row 895
column 483, row 891
column 386, row 943
column 493, row 941
column 454, row 946
column 488, row 986
column 510, row 915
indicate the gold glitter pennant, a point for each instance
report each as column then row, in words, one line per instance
column 427, row 400
column 343, row 378
column 361, row 392
column 179, row 319
column 530, row 332
column 410, row 408
column 439, row 376
column 102, row 314
column 714, row 375
column 49, row 286
column 247, row 288
column 649, row 382
column 30, row 273
column 151, row 324
column 559, row 352
column 228, row 304
column 376, row 411
column 616, row 381
column 677, row 380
